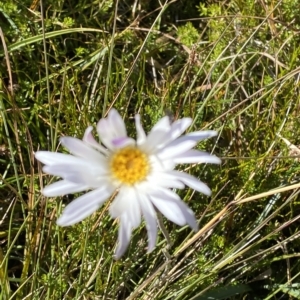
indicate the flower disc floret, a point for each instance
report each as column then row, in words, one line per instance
column 129, row 165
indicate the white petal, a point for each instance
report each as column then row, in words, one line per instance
column 141, row 136
column 81, row 149
column 111, row 128
column 84, row 206
column 89, row 139
column 123, row 142
column 195, row 156
column 63, row 187
column 105, row 133
column 157, row 135
column 133, row 211
column 149, row 215
column 116, row 122
column 165, row 180
column 198, row 136
column 164, row 133
column 118, row 206
column 174, row 208
column 161, row 165
column 123, row 236
column 170, row 209
column 179, row 127
column 52, row 158
column 175, row 148
column 64, row 170
column 154, row 139
column 168, row 193
column 84, row 175
column 162, row 125
column 202, row 135
column 126, row 202
column 192, row 182
column 189, row 215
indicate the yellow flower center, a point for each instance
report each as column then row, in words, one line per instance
column 129, row 165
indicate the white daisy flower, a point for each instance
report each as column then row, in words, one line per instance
column 142, row 172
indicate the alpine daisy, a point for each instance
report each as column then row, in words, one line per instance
column 142, row 172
